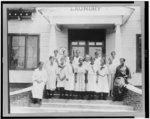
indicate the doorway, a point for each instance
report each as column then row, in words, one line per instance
column 87, row 41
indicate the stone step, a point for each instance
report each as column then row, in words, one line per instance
column 87, row 106
column 82, row 101
column 15, row 109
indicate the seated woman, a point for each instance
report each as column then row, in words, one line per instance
column 121, row 77
column 39, row 79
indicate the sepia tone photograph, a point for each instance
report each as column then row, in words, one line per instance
column 75, row 58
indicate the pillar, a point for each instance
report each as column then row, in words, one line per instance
column 52, row 40
column 118, row 42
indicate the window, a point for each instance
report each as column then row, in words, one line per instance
column 23, row 51
column 138, row 53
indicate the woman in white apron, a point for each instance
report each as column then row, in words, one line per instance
column 91, row 77
column 80, row 79
column 102, row 80
column 110, row 75
column 86, row 63
column 61, row 77
column 51, row 69
column 39, row 78
column 69, row 83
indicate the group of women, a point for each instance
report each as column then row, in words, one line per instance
column 75, row 76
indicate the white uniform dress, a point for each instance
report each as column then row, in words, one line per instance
column 69, row 84
column 76, row 60
column 97, row 62
column 62, row 72
column 114, row 65
column 38, row 87
column 91, row 85
column 102, row 85
column 110, row 74
column 51, row 76
column 86, row 64
column 80, row 84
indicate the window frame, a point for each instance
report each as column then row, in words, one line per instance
column 25, row 59
column 138, row 69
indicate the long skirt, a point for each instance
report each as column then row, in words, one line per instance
column 69, row 85
column 102, row 85
column 60, row 84
column 80, row 84
column 37, row 90
column 51, row 83
column 91, row 85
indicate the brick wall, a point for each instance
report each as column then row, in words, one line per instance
column 134, row 99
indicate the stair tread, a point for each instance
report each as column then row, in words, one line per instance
column 84, row 104
column 53, row 109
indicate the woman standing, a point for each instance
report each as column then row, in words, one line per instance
column 51, row 69
column 69, row 83
column 91, row 77
column 61, row 77
column 102, row 80
column 39, row 78
column 80, row 72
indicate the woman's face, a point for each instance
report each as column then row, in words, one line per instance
column 52, row 60
column 80, row 61
column 102, row 61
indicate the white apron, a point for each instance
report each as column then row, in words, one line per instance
column 51, row 76
column 91, row 85
column 62, row 72
column 69, row 84
column 102, row 85
column 110, row 75
column 80, row 84
column 37, row 88
column 97, row 62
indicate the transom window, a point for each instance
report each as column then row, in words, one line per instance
column 23, row 51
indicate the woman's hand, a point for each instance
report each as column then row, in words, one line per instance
column 97, row 81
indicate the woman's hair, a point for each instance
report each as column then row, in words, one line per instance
column 50, row 57
column 39, row 63
column 123, row 59
column 104, row 60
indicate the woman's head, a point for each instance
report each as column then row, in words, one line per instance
column 40, row 65
column 92, row 60
column 62, row 60
column 80, row 60
column 103, row 61
column 51, row 59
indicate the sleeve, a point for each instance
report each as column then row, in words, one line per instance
column 45, row 76
column 128, row 73
column 106, row 70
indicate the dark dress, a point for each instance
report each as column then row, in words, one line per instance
column 121, row 75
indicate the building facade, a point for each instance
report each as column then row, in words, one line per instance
column 85, row 28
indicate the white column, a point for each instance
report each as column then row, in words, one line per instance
column 52, row 40
column 118, row 42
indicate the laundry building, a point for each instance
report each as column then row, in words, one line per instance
column 34, row 33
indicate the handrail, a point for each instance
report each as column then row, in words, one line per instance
column 133, row 88
column 21, row 91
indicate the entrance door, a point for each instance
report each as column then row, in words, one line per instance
column 86, row 41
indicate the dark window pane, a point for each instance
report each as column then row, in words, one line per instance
column 17, row 52
column 139, row 53
column 32, row 42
